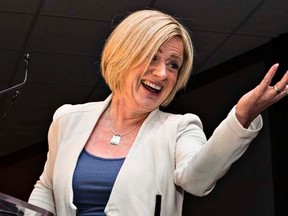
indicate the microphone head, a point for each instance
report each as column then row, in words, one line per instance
column 26, row 57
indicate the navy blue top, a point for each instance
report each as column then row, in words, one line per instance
column 93, row 180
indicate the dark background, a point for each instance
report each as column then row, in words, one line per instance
column 235, row 42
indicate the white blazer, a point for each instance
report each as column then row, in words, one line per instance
column 169, row 155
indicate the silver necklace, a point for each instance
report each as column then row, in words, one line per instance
column 117, row 137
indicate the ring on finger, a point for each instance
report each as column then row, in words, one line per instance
column 284, row 92
column 277, row 90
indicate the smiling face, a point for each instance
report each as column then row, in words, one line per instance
column 131, row 46
column 148, row 87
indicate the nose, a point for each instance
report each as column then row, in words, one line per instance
column 160, row 71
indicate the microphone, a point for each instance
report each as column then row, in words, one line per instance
column 20, row 85
column 15, row 87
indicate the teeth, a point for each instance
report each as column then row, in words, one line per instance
column 152, row 85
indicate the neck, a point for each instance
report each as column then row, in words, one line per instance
column 123, row 116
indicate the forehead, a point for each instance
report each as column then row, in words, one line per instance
column 173, row 46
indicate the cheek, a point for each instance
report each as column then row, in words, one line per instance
column 173, row 80
column 132, row 79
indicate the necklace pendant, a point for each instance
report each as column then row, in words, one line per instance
column 115, row 139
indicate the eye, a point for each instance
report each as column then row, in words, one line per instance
column 174, row 65
column 154, row 59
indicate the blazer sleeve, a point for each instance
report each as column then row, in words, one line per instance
column 200, row 163
column 42, row 194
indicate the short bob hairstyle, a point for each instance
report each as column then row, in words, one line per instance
column 136, row 40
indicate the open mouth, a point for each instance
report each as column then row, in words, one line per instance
column 152, row 87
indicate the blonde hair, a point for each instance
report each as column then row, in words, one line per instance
column 137, row 39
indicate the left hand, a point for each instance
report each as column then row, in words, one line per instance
column 261, row 97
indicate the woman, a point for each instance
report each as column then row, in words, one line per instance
column 126, row 156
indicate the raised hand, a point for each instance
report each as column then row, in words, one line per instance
column 261, row 97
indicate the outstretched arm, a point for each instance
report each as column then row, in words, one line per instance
column 261, row 97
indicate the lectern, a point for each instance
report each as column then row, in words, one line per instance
column 12, row 206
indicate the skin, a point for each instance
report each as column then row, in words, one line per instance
column 143, row 92
column 130, row 106
column 137, row 99
column 261, row 97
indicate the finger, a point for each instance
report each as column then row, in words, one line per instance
column 282, row 84
column 269, row 75
column 285, row 91
column 278, row 94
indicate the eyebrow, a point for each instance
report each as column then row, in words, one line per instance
column 175, row 56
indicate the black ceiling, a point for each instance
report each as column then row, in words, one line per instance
column 65, row 37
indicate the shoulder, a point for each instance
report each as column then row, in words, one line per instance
column 179, row 120
column 69, row 109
